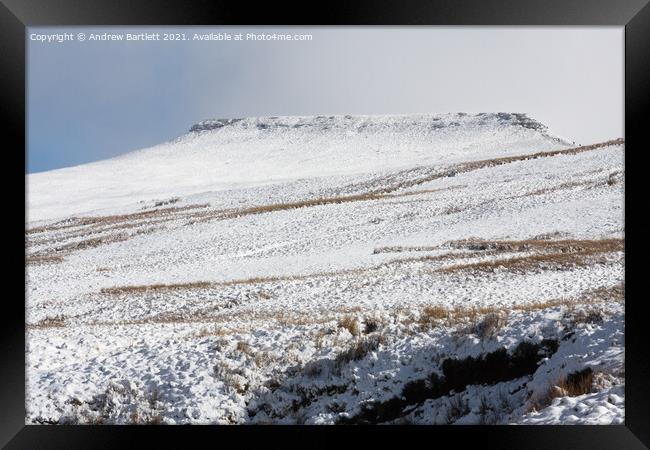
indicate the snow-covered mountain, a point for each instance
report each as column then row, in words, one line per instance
column 348, row 269
column 225, row 154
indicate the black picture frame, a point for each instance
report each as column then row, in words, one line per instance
column 16, row 15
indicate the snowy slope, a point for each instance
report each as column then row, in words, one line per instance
column 331, row 270
column 218, row 155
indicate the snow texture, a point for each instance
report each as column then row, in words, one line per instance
column 331, row 270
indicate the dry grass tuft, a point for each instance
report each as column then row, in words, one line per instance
column 435, row 312
column 320, row 336
column 231, row 378
column 359, row 349
column 244, row 347
column 351, row 324
column 577, row 383
column 491, row 324
column 572, row 385
column 588, row 315
column 431, row 315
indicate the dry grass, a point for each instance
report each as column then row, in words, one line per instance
column 485, row 321
column 84, row 232
column 541, row 244
column 609, row 293
column 231, row 378
column 560, row 187
column 37, row 259
column 216, row 330
column 561, row 253
column 194, row 213
column 132, row 289
column 93, row 242
column 155, row 288
column 244, row 347
column 572, row 385
column 221, row 323
column 351, row 324
column 169, row 318
column 490, row 325
column 359, row 349
column 296, row 318
column 56, row 254
column 476, row 165
column 284, row 206
column 590, row 297
column 402, row 248
column 275, row 207
column 349, row 309
column 49, row 322
column 554, row 253
column 551, row 250
column 586, row 315
column 577, row 383
column 319, row 337
column 431, row 315
column 146, row 288
column 74, row 222
column 427, row 317
column 113, row 229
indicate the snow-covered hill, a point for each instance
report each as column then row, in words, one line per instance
column 392, row 269
column 225, row 154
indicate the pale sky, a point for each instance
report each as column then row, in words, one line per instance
column 93, row 100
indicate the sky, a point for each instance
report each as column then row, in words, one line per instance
column 93, row 100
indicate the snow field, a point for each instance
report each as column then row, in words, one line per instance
column 288, row 279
